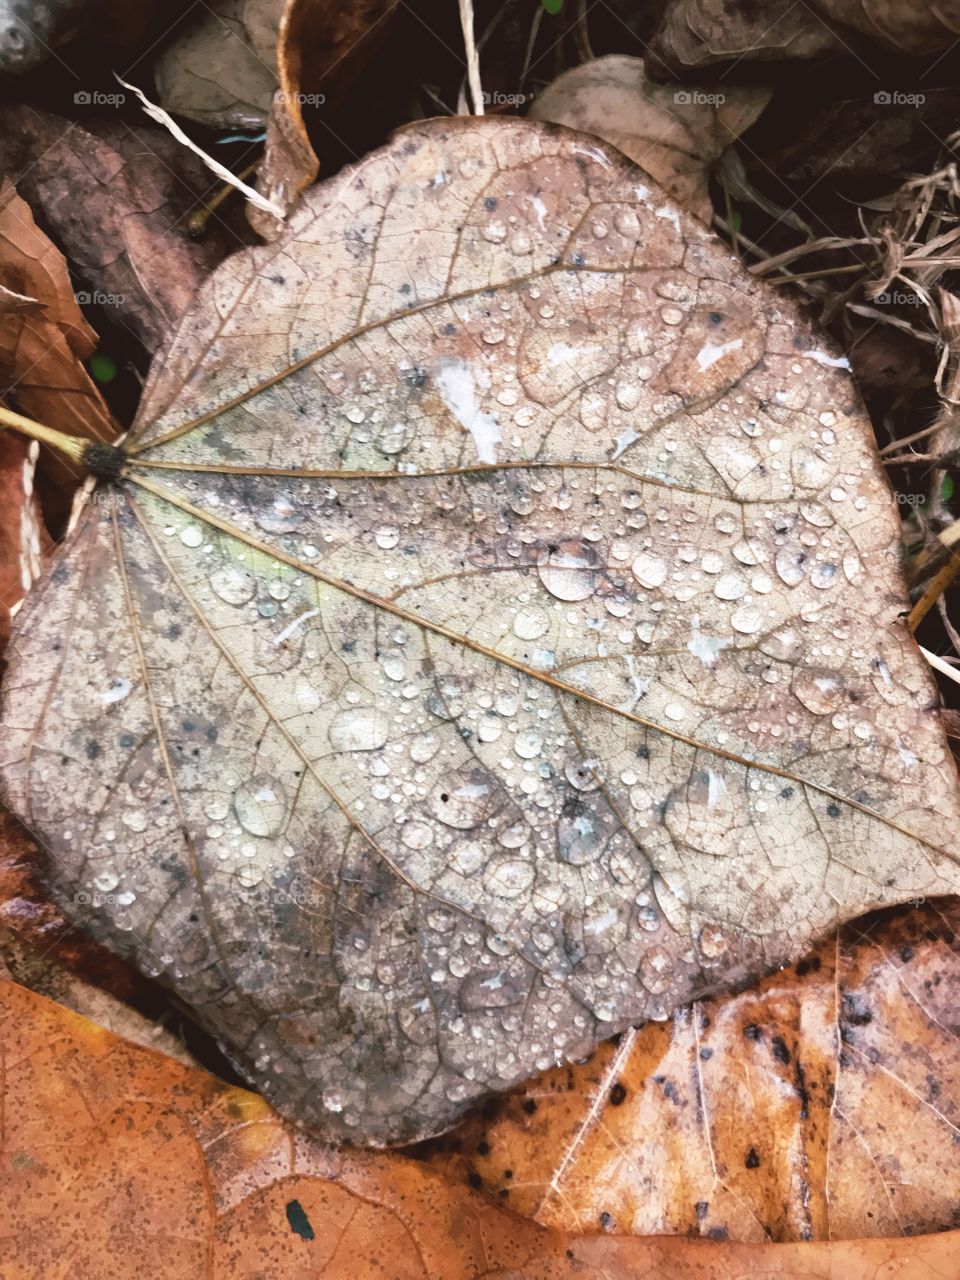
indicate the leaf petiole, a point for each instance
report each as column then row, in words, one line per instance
column 73, row 447
column 96, row 457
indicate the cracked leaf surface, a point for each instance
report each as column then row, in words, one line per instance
column 495, row 640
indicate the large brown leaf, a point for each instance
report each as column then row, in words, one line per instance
column 118, row 1162
column 494, row 639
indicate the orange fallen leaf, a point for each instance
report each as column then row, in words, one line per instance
column 119, row 1162
column 42, row 351
column 823, row 1103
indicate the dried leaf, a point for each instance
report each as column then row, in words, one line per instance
column 898, row 24
column 289, row 163
column 694, row 33
column 320, row 48
column 853, row 139
column 110, row 1148
column 117, row 201
column 42, row 348
column 495, row 639
column 822, row 1104
column 221, row 68
column 21, row 533
column 674, row 133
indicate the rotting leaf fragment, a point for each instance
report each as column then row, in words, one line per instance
column 490, row 643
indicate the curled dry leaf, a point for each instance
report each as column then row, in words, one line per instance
column 21, row 528
column 42, row 347
column 672, row 132
column 243, row 64
column 694, row 33
column 492, row 639
column 289, row 163
column 109, row 1148
column 117, row 202
column 821, row 1104
column 320, row 48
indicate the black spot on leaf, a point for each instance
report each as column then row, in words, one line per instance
column 299, row 1222
column 778, row 1047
